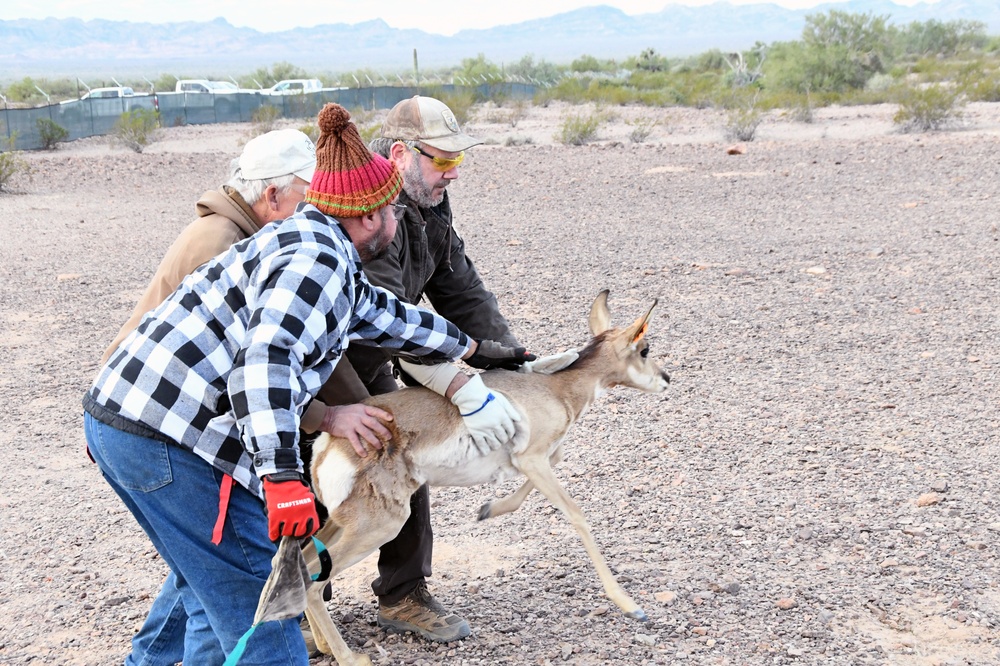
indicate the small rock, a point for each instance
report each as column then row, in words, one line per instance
column 736, row 149
column 815, row 270
column 940, row 486
column 731, row 587
column 929, row 499
column 665, row 597
column 786, row 603
column 566, row 652
column 875, row 252
column 888, row 563
column 804, row 534
column 645, row 639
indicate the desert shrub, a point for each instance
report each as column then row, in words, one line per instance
column 743, row 117
column 980, row 83
column 12, row 163
column 928, row 108
column 263, row 120
column 460, row 103
column 50, row 132
column 641, row 129
column 578, row 129
column 311, row 131
column 518, row 141
column 136, row 129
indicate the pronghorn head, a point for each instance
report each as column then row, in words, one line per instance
column 626, row 350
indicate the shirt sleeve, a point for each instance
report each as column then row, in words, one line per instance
column 302, row 307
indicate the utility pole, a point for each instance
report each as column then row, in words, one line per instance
column 416, row 70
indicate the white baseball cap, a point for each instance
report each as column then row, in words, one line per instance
column 429, row 121
column 278, row 153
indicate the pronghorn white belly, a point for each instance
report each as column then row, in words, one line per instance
column 443, row 468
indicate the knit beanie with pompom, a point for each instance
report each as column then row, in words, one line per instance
column 349, row 180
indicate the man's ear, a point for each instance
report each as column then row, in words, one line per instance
column 271, row 197
column 398, row 152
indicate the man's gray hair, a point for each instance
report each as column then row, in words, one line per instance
column 383, row 146
column 253, row 190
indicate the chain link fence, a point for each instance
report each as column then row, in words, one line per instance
column 94, row 117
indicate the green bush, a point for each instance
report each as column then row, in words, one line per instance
column 641, row 129
column 579, row 129
column 136, row 129
column 311, row 131
column 50, row 132
column 928, row 108
column 743, row 117
column 12, row 163
column 263, row 120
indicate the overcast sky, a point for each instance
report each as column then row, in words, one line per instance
column 435, row 16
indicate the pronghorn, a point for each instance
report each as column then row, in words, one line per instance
column 369, row 498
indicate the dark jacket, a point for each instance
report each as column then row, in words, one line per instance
column 427, row 258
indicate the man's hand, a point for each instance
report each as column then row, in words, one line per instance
column 357, row 422
column 291, row 506
column 490, row 354
column 546, row 365
column 488, row 415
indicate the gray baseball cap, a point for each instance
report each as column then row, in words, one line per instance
column 429, row 121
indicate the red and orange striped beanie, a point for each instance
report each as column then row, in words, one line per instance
column 349, row 180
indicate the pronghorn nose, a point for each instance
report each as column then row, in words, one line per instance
column 665, row 376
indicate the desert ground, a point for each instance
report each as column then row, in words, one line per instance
column 818, row 485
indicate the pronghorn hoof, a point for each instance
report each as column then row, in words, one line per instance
column 637, row 614
column 484, row 511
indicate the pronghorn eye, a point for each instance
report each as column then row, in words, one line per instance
column 645, row 352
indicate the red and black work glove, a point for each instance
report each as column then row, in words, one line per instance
column 291, row 506
column 490, row 354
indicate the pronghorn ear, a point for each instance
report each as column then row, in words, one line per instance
column 638, row 328
column 600, row 317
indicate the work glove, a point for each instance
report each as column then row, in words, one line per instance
column 291, row 506
column 490, row 354
column 547, row 365
column 488, row 415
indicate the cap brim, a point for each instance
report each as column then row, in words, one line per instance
column 453, row 143
column 305, row 174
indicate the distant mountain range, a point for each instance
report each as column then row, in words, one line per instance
column 73, row 47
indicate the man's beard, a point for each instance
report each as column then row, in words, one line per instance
column 377, row 246
column 418, row 190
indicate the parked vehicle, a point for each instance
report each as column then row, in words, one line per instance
column 205, row 86
column 107, row 93
column 294, row 87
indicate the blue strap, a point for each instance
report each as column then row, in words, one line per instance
column 241, row 646
column 489, row 399
column 325, row 561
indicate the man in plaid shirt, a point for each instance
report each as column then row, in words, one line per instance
column 210, row 387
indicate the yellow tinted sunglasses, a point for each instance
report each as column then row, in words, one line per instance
column 441, row 163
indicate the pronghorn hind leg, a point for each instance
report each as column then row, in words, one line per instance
column 540, row 473
column 350, row 543
column 328, row 639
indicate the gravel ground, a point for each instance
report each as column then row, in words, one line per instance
column 817, row 486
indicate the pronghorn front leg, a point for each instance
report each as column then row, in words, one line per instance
column 541, row 475
column 514, row 501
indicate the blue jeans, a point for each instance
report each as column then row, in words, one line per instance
column 212, row 589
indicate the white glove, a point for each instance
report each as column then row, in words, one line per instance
column 546, row 365
column 435, row 377
column 488, row 415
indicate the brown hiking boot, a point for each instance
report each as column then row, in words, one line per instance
column 421, row 613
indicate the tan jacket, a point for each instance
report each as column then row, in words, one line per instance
column 224, row 218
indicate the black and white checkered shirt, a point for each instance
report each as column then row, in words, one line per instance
column 225, row 366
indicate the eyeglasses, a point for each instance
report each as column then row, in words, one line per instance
column 441, row 163
column 398, row 210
